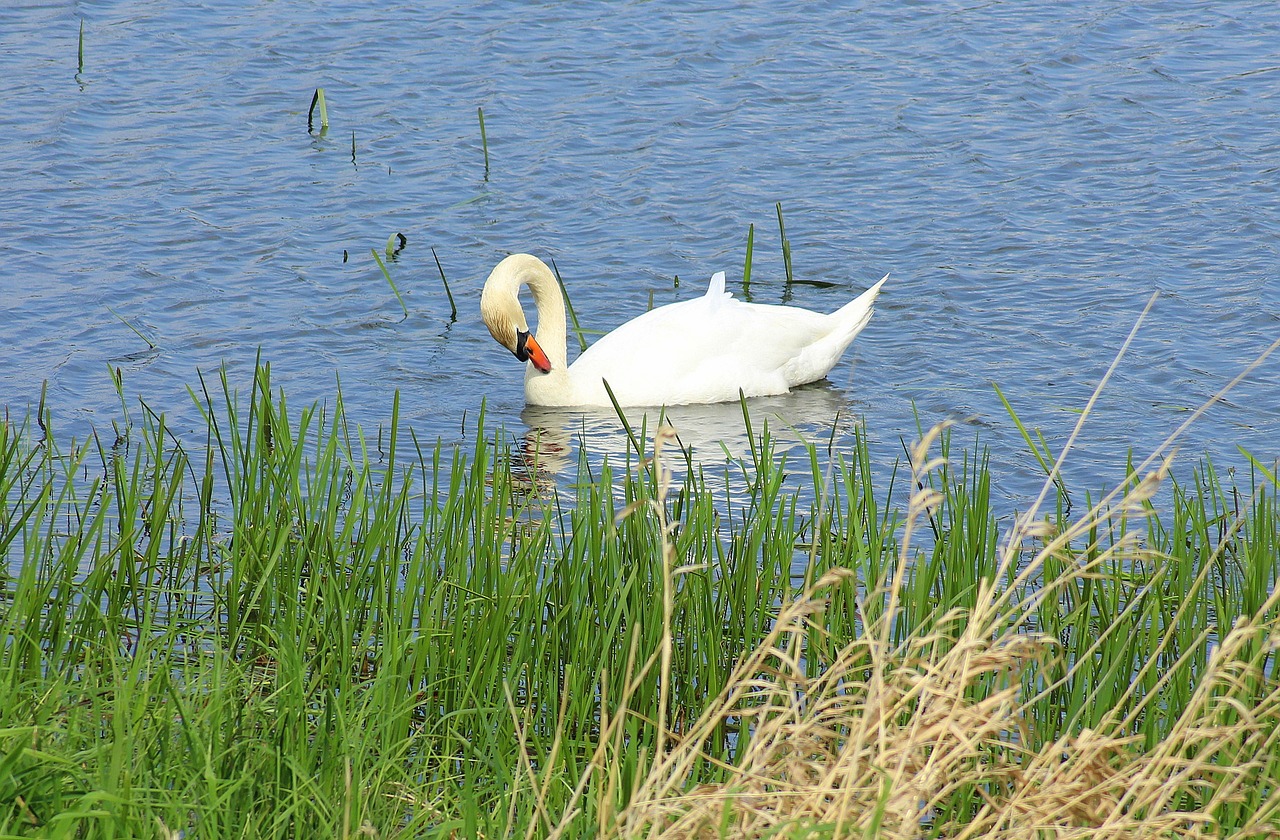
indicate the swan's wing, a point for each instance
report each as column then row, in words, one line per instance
column 700, row 350
column 707, row 349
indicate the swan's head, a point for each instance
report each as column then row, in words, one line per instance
column 502, row 314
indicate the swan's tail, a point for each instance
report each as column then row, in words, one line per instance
column 854, row 315
column 816, row 360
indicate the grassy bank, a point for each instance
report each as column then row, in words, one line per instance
column 297, row 632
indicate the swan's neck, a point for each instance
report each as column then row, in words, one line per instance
column 552, row 331
column 556, row 386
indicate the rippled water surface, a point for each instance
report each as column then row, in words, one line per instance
column 1029, row 173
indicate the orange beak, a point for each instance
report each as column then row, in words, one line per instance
column 528, row 350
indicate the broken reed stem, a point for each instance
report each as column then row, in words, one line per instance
column 484, row 141
column 453, row 307
column 317, row 100
column 786, row 245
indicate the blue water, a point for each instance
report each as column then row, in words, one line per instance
column 1030, row 174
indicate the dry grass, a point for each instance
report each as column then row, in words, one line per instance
column 887, row 742
column 930, row 736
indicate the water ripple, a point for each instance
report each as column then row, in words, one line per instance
column 1029, row 173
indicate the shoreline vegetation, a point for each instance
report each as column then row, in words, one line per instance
column 294, row 631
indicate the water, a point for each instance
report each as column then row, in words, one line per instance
column 1030, row 175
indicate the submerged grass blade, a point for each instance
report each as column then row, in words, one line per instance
column 150, row 344
column 390, row 282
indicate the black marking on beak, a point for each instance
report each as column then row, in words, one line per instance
column 522, row 339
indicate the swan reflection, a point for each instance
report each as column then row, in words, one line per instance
column 707, row 434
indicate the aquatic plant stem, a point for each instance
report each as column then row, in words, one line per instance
column 484, row 141
column 390, row 282
column 786, row 245
column 317, row 99
column 568, row 305
column 453, row 307
column 150, row 344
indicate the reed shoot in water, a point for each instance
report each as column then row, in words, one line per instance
column 390, row 282
column 484, row 141
column 786, row 245
column 317, row 99
column 453, row 307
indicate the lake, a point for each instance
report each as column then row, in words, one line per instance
column 1029, row 174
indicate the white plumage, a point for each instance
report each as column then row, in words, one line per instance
column 703, row 350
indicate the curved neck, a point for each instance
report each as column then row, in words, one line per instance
column 552, row 332
column 504, row 316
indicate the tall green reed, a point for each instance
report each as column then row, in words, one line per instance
column 288, row 629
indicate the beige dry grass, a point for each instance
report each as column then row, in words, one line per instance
column 896, row 740
column 930, row 736
column 883, row 742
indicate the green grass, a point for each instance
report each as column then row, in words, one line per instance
column 317, row 100
column 293, row 630
column 453, row 307
column 382, row 266
column 786, row 246
column 484, row 141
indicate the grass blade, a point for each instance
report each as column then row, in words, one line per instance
column 390, row 282
column 150, row 344
column 786, row 245
column 484, row 141
column 453, row 307
column 568, row 304
column 317, row 99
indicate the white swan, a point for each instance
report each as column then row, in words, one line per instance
column 696, row 351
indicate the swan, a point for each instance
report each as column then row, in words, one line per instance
column 703, row 350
